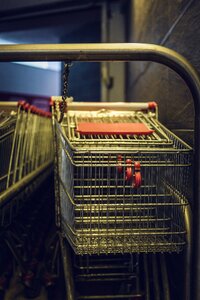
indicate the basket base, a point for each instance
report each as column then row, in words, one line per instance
column 135, row 243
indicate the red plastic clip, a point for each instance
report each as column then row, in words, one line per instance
column 31, row 108
column 21, row 103
column 152, row 105
column 129, row 171
column 119, row 167
column 26, row 106
column 51, row 102
column 137, row 178
column 39, row 112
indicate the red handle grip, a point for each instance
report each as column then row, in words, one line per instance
column 119, row 166
column 132, row 172
column 137, row 177
column 129, row 171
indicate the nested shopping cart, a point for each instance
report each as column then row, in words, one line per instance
column 26, row 154
column 123, row 179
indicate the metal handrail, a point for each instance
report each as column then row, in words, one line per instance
column 130, row 52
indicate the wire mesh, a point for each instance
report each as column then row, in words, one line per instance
column 7, row 128
column 25, row 149
column 100, row 209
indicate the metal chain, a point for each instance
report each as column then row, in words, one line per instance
column 63, row 106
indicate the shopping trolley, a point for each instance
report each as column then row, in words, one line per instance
column 26, row 153
column 123, row 179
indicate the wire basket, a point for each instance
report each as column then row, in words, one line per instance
column 119, row 192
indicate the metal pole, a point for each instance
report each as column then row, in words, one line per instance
column 130, row 52
column 188, row 252
column 16, row 188
column 146, row 276
column 165, row 278
column 67, row 266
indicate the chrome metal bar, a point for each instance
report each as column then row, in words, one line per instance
column 122, row 297
column 188, row 251
column 19, row 186
column 146, row 275
column 164, row 277
column 95, row 106
column 157, row 294
column 69, row 283
column 8, row 106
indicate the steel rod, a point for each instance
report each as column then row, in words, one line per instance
column 67, row 266
column 130, row 52
column 156, row 284
column 165, row 277
column 16, row 188
column 146, row 276
column 188, row 251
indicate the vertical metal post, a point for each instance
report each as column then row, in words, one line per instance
column 188, row 251
column 69, row 283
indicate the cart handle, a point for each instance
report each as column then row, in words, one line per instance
column 130, row 52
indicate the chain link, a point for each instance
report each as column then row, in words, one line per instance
column 63, row 105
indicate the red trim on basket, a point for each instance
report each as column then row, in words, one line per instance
column 113, row 128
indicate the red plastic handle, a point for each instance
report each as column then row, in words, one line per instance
column 129, row 171
column 132, row 172
column 21, row 103
column 26, row 106
column 152, row 105
column 119, row 166
column 137, row 177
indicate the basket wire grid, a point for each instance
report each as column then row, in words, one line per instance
column 100, row 210
column 7, row 128
column 25, row 147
